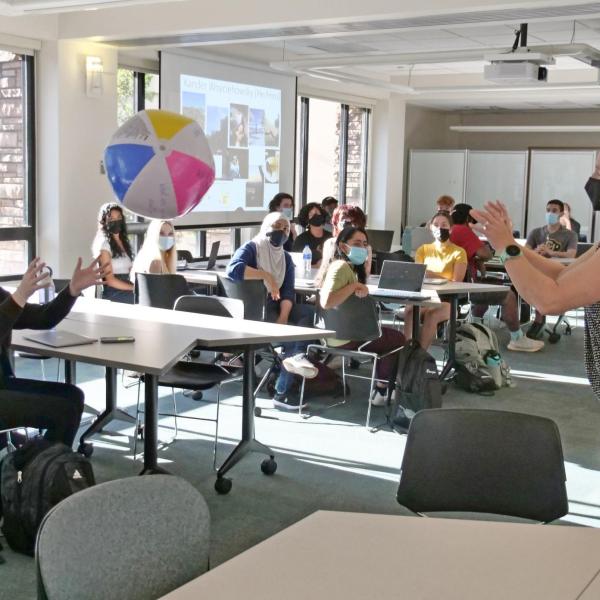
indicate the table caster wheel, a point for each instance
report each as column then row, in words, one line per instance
column 223, row 485
column 553, row 338
column 197, row 396
column 257, row 411
column 268, row 466
column 86, row 449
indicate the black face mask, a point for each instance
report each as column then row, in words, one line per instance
column 115, row 226
column 317, row 220
column 277, row 238
column 443, row 235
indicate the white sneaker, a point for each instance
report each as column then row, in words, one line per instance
column 300, row 365
column 525, row 344
column 378, row 399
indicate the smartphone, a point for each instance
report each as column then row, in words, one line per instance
column 121, row 339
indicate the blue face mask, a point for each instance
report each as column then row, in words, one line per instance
column 166, row 242
column 277, row 237
column 288, row 213
column 357, row 255
column 552, row 218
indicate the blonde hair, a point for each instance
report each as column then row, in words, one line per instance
column 151, row 252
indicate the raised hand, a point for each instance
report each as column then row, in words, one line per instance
column 86, row 277
column 493, row 221
column 34, row 279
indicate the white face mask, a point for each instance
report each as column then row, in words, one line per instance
column 166, row 242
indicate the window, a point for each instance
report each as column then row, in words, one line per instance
column 17, row 164
column 332, row 151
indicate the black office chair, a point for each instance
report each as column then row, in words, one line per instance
column 198, row 376
column 484, row 461
column 159, row 291
column 356, row 319
column 185, row 255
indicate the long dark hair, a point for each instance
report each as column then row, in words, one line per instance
column 343, row 238
column 115, row 249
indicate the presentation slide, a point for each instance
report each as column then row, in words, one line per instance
column 244, row 119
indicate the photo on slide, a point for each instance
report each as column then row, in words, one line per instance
column 271, row 168
column 238, row 126
column 193, row 105
column 255, row 194
column 272, row 124
column 216, row 127
column 235, row 164
column 257, row 127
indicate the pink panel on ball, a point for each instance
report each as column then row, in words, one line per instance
column 191, row 180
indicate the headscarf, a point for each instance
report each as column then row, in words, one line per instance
column 268, row 257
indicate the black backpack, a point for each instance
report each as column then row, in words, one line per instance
column 33, row 479
column 417, row 383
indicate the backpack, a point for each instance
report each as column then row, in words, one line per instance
column 33, row 479
column 479, row 366
column 418, row 385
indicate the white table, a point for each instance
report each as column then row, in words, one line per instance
column 162, row 337
column 351, row 556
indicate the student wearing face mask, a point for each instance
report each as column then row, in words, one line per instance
column 551, row 241
column 284, row 203
column 329, row 203
column 346, row 277
column 312, row 217
column 443, row 259
column 264, row 258
column 113, row 248
column 158, row 253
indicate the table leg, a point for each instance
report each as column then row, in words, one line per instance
column 70, row 372
column 110, row 413
column 151, row 426
column 248, row 443
column 451, row 362
column 416, row 324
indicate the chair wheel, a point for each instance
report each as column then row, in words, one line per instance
column 257, row 411
column 223, row 485
column 85, row 449
column 553, row 338
column 268, row 466
column 197, row 396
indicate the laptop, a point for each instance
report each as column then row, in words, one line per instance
column 60, row 339
column 212, row 260
column 401, row 280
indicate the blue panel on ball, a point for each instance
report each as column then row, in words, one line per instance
column 123, row 163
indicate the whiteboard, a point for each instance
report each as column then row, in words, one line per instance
column 432, row 173
column 496, row 175
column 560, row 174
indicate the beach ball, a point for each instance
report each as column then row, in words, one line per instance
column 159, row 164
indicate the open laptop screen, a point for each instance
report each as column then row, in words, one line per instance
column 398, row 275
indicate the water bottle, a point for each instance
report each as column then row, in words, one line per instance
column 307, row 259
column 407, row 240
column 48, row 292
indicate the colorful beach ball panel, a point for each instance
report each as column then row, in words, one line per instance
column 159, row 164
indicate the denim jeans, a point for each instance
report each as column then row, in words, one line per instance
column 301, row 315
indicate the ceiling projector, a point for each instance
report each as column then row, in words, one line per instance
column 517, row 68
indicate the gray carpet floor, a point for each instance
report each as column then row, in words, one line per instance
column 329, row 461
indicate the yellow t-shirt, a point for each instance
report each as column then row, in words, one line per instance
column 441, row 259
column 339, row 275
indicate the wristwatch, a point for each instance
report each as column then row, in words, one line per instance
column 511, row 251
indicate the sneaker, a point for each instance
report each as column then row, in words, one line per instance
column 285, row 402
column 535, row 330
column 525, row 344
column 300, row 365
column 378, row 398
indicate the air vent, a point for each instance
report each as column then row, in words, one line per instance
column 432, row 21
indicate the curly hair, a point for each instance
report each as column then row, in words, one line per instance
column 350, row 214
column 103, row 214
column 303, row 214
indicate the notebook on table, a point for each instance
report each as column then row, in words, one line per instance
column 402, row 280
column 60, row 339
column 212, row 260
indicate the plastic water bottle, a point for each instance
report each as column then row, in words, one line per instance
column 307, row 259
column 48, row 292
column 407, row 240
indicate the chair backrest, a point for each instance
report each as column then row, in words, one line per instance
column 185, row 255
column 251, row 292
column 134, row 538
column 159, row 291
column 211, row 305
column 356, row 319
column 399, row 255
column 380, row 239
column 484, row 461
column 419, row 236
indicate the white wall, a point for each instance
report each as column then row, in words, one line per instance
column 73, row 131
